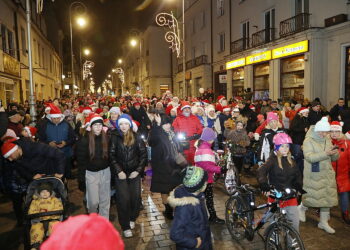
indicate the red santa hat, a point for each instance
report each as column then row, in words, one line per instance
column 92, row 119
column 31, row 130
column 336, row 126
column 206, row 101
column 86, row 110
column 136, row 104
column 303, row 110
column 185, row 105
column 8, row 148
column 252, row 107
column 55, row 112
column 220, row 98
column 226, row 109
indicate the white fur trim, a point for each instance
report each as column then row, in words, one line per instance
column 56, row 115
column 186, row 106
column 204, row 157
column 336, row 128
column 28, row 131
column 179, row 202
column 11, row 151
column 95, row 119
column 226, row 110
column 304, row 111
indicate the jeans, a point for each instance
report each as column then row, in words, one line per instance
column 344, row 201
column 98, row 189
column 128, row 197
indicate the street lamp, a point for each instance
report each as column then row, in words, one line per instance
column 120, row 61
column 81, row 22
column 133, row 42
column 87, row 52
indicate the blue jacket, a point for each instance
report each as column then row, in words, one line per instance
column 63, row 131
column 190, row 220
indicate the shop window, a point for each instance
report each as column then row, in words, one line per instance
column 3, row 38
column 292, row 78
column 261, row 81
column 238, row 82
column 220, row 7
column 12, row 51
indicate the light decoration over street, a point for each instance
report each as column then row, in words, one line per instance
column 86, row 69
column 120, row 73
column 172, row 36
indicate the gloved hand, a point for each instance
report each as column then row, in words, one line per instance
column 265, row 187
column 121, row 176
column 133, row 175
column 260, row 163
column 256, row 136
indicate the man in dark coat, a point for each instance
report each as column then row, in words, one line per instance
column 14, row 122
column 3, row 122
column 139, row 114
column 251, row 115
column 315, row 114
column 335, row 111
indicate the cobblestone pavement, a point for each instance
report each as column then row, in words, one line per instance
column 152, row 230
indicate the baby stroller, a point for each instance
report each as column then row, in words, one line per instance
column 60, row 193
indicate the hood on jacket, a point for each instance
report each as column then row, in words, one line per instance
column 181, row 197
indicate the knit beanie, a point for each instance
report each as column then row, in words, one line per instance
column 115, row 110
column 165, row 119
column 271, row 116
column 124, row 118
column 323, row 125
column 208, row 134
column 194, row 179
column 45, row 186
column 315, row 103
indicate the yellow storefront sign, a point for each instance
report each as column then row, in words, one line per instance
column 291, row 49
column 235, row 63
column 259, row 57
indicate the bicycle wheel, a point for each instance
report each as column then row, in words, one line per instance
column 282, row 236
column 237, row 220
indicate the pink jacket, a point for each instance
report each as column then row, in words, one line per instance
column 205, row 158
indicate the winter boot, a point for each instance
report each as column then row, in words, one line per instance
column 302, row 211
column 345, row 216
column 168, row 213
column 323, row 224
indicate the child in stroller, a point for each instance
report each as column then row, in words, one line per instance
column 45, row 209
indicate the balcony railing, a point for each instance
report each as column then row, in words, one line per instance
column 295, row 24
column 203, row 59
column 263, row 36
column 240, row 45
column 190, row 64
column 200, row 60
column 180, row 67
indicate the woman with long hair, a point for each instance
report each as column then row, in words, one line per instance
column 128, row 157
column 281, row 172
column 93, row 166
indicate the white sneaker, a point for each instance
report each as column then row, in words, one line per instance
column 127, row 233
column 132, row 224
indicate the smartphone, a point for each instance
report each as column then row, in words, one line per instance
column 335, row 147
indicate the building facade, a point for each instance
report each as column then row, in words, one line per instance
column 14, row 67
column 291, row 49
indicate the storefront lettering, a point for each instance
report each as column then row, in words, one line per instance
column 11, row 65
column 235, row 63
column 261, row 57
column 291, row 49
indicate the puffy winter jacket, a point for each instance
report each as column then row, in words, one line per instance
column 205, row 158
column 126, row 158
column 281, row 178
column 342, row 165
column 188, row 125
column 297, row 129
column 190, row 220
column 320, row 186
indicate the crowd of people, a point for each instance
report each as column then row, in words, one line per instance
column 110, row 140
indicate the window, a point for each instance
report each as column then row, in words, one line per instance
column 39, row 54
column 34, row 51
column 193, row 52
column 221, row 42
column 43, row 57
column 245, row 34
column 3, row 38
column 301, row 6
column 50, row 63
column 220, row 7
column 269, row 19
column 12, row 50
column 23, row 40
column 202, row 20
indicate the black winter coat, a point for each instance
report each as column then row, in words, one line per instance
column 252, row 118
column 345, row 117
column 3, row 123
column 166, row 173
column 126, row 159
column 281, row 178
column 335, row 112
column 39, row 158
column 140, row 116
column 297, row 129
column 83, row 156
column 314, row 116
column 266, row 143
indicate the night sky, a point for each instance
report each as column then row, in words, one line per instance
column 109, row 25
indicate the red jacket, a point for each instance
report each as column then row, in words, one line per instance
column 188, row 125
column 342, row 165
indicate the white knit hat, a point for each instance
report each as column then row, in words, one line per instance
column 323, row 125
column 115, row 110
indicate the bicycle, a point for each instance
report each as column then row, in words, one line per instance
column 230, row 173
column 240, row 222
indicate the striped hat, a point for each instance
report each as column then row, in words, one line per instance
column 194, row 179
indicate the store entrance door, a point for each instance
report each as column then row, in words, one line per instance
column 347, row 77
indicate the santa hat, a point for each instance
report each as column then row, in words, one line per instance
column 86, row 110
column 185, row 105
column 55, row 112
column 8, row 148
column 30, row 130
column 252, row 107
column 235, row 109
column 347, row 134
column 220, row 97
column 91, row 120
column 303, row 110
column 206, row 102
column 336, row 126
column 92, row 231
column 136, row 104
column 226, row 109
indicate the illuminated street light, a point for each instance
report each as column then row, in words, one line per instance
column 120, row 61
column 109, row 76
column 81, row 21
column 133, row 42
column 87, row 52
